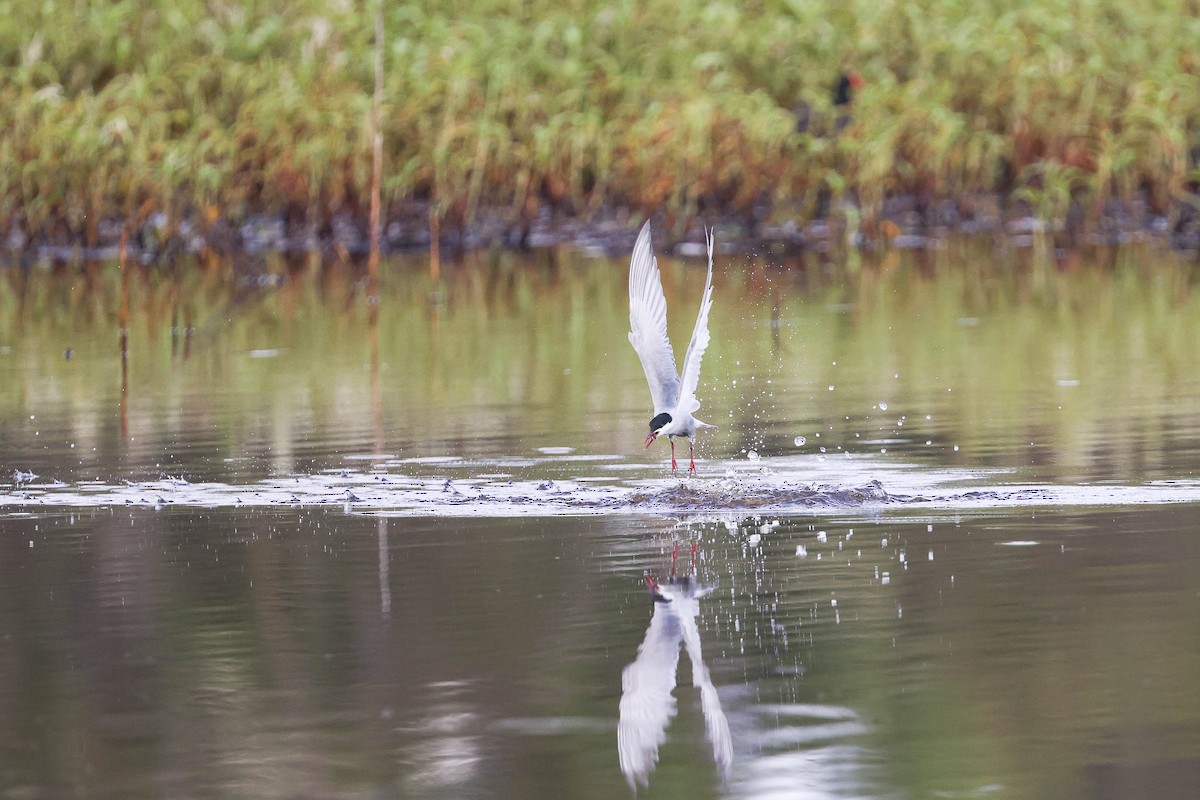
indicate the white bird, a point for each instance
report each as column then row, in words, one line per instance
column 674, row 395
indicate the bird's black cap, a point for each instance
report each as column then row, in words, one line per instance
column 662, row 419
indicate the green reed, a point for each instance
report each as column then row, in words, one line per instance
column 110, row 111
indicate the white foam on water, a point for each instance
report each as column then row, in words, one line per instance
column 452, row 486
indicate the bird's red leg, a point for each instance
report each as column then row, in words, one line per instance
column 674, row 466
column 695, row 545
column 674, row 558
column 691, row 457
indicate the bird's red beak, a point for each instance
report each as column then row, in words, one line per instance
column 650, row 439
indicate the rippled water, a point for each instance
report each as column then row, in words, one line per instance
column 944, row 543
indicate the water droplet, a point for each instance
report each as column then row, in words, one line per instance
column 800, row 440
column 822, row 449
column 752, row 455
column 801, row 551
column 831, row 387
column 956, row 448
column 883, row 406
column 822, row 536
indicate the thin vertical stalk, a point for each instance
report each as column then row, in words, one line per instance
column 385, row 588
column 123, row 329
column 376, row 158
column 435, row 248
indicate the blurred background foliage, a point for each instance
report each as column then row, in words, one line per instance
column 213, row 111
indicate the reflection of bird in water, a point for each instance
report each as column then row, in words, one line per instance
column 647, row 703
column 674, row 396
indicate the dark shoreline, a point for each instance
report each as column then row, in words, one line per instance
column 905, row 223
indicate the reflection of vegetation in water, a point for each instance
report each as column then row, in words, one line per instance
column 1087, row 370
column 117, row 111
column 1078, row 373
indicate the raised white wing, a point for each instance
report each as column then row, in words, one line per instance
column 648, row 325
column 696, row 347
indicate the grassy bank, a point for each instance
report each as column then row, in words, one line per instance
column 214, row 111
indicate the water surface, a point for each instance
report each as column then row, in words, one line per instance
column 944, row 539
